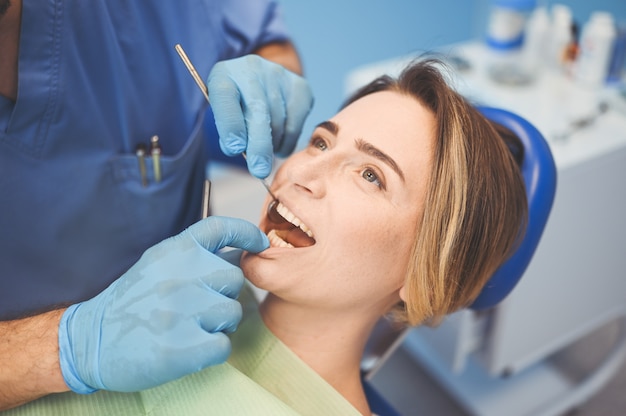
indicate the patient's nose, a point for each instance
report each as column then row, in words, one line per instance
column 313, row 175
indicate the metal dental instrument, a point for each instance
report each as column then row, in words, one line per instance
column 192, row 71
column 267, row 188
column 206, row 198
column 206, row 190
column 205, row 91
column 155, row 151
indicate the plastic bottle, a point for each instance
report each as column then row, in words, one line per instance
column 561, row 37
column 534, row 51
column 596, row 49
column 616, row 68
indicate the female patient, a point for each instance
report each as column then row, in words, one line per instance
column 403, row 204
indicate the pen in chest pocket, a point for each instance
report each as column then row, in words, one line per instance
column 141, row 151
column 155, row 151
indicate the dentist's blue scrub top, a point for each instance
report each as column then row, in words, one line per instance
column 96, row 78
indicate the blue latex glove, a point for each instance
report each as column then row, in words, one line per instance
column 164, row 318
column 259, row 107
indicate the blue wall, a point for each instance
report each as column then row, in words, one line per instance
column 336, row 36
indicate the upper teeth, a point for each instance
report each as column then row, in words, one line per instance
column 289, row 216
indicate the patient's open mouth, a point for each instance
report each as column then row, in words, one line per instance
column 285, row 229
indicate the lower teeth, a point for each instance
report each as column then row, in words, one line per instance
column 276, row 241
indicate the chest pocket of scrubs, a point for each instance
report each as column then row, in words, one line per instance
column 164, row 208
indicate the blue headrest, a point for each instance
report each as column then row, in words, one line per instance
column 539, row 172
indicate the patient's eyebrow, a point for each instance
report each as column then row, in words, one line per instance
column 365, row 147
column 372, row 150
column 331, row 126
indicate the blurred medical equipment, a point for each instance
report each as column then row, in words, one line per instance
column 499, row 361
column 583, row 121
column 520, row 48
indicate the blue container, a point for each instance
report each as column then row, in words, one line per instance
column 507, row 21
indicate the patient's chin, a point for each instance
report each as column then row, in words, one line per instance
column 244, row 262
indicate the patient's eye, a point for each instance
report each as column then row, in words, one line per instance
column 371, row 176
column 318, row 142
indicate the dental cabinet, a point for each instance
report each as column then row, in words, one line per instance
column 497, row 361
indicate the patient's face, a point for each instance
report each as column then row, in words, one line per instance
column 359, row 186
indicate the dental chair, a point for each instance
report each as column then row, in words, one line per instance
column 539, row 174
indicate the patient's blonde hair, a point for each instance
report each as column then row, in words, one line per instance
column 475, row 209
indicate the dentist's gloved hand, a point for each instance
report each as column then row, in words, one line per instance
column 259, row 107
column 164, row 318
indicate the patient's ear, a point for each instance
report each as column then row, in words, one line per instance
column 402, row 293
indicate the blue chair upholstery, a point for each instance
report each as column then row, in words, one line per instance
column 378, row 405
column 539, row 172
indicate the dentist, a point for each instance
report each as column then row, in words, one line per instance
column 93, row 293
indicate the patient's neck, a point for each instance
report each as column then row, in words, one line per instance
column 330, row 343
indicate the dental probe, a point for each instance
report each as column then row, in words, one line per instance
column 205, row 91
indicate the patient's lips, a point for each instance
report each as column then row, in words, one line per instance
column 285, row 229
